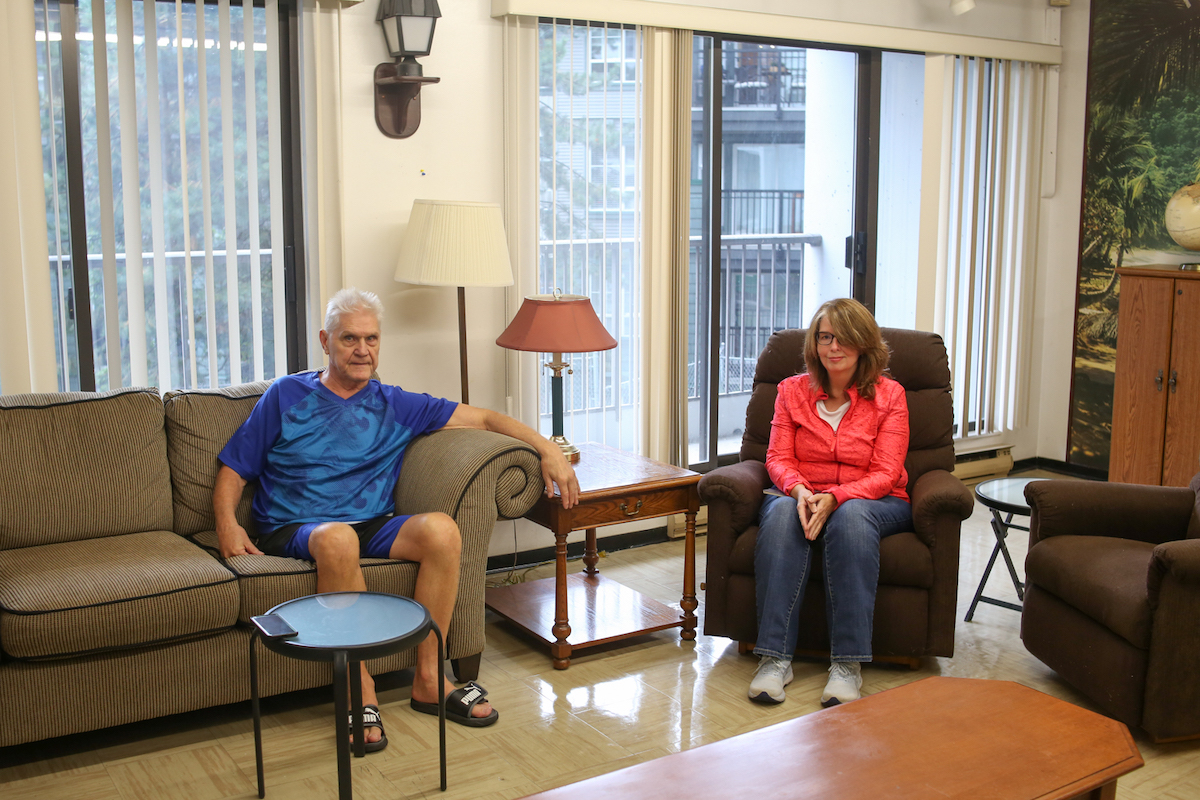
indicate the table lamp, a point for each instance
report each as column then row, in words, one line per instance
column 557, row 323
column 455, row 243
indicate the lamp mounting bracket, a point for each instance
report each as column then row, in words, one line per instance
column 398, row 101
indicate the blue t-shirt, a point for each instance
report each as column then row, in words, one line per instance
column 321, row 458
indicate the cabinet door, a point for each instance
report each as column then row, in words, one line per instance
column 1139, row 402
column 1181, row 447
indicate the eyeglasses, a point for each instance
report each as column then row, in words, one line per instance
column 825, row 338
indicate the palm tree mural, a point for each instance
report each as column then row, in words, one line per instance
column 1141, row 48
column 1143, row 142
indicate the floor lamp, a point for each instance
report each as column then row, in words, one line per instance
column 455, row 243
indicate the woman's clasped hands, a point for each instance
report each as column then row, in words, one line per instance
column 814, row 510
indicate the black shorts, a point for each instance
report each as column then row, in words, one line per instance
column 375, row 537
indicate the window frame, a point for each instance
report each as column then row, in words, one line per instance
column 866, row 185
column 296, row 356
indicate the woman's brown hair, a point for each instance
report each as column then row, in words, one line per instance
column 854, row 327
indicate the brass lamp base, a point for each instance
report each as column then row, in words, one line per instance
column 569, row 450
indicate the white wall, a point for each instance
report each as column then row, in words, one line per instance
column 455, row 155
column 459, row 149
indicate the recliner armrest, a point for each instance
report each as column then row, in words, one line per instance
column 1177, row 561
column 1153, row 514
column 936, row 494
column 740, row 486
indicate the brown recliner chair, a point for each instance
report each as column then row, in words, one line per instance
column 918, row 570
column 1112, row 598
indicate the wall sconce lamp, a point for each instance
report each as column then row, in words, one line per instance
column 408, row 29
column 557, row 323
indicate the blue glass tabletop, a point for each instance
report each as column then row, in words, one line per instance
column 341, row 620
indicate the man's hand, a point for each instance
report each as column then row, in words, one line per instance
column 234, row 541
column 556, row 469
column 820, row 506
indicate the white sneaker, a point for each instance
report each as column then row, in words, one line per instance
column 769, row 679
column 845, row 679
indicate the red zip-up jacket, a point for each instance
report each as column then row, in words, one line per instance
column 862, row 459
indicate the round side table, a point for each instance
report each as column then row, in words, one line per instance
column 346, row 628
column 1002, row 496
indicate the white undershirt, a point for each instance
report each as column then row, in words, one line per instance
column 833, row 417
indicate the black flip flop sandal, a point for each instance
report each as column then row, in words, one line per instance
column 371, row 719
column 458, row 706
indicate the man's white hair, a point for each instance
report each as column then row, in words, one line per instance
column 348, row 301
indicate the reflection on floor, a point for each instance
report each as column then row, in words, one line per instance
column 614, row 707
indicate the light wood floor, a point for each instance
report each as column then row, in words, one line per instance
column 613, row 707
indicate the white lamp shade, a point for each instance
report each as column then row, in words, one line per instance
column 454, row 243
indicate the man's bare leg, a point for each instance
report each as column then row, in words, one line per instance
column 334, row 546
column 433, row 541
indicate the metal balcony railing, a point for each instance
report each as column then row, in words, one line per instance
column 762, row 291
column 753, row 211
column 757, row 76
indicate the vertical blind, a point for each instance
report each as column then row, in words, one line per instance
column 178, row 109
column 990, row 247
column 590, row 156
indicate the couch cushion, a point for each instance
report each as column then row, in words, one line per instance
column 116, row 592
column 1100, row 576
column 199, row 423
column 81, row 465
column 267, row 581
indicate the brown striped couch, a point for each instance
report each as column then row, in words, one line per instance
column 114, row 603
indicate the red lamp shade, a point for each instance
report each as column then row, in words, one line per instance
column 556, row 323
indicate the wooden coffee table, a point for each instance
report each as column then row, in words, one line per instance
column 615, row 486
column 937, row 737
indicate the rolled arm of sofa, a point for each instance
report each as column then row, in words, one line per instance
column 447, row 469
column 1153, row 514
column 938, row 495
column 476, row 477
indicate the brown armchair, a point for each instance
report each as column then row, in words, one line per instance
column 1112, row 598
column 918, row 570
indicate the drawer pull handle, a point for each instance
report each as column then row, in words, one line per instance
column 1158, row 381
column 633, row 513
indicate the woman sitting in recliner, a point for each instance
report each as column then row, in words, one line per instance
column 838, row 441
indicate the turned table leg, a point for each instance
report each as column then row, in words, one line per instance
column 689, row 602
column 560, row 650
column 591, row 555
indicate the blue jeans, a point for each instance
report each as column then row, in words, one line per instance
column 850, row 544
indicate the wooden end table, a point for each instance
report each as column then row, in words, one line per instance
column 615, row 486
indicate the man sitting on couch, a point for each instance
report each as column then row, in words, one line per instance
column 326, row 449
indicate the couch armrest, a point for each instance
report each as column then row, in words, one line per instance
column 1152, row 514
column 476, row 477
column 936, row 495
column 441, row 470
column 739, row 487
column 1172, row 700
column 1177, row 561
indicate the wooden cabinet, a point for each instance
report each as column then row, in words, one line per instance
column 1156, row 396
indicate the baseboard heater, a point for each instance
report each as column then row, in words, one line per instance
column 983, row 465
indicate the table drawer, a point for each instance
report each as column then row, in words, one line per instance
column 633, row 506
